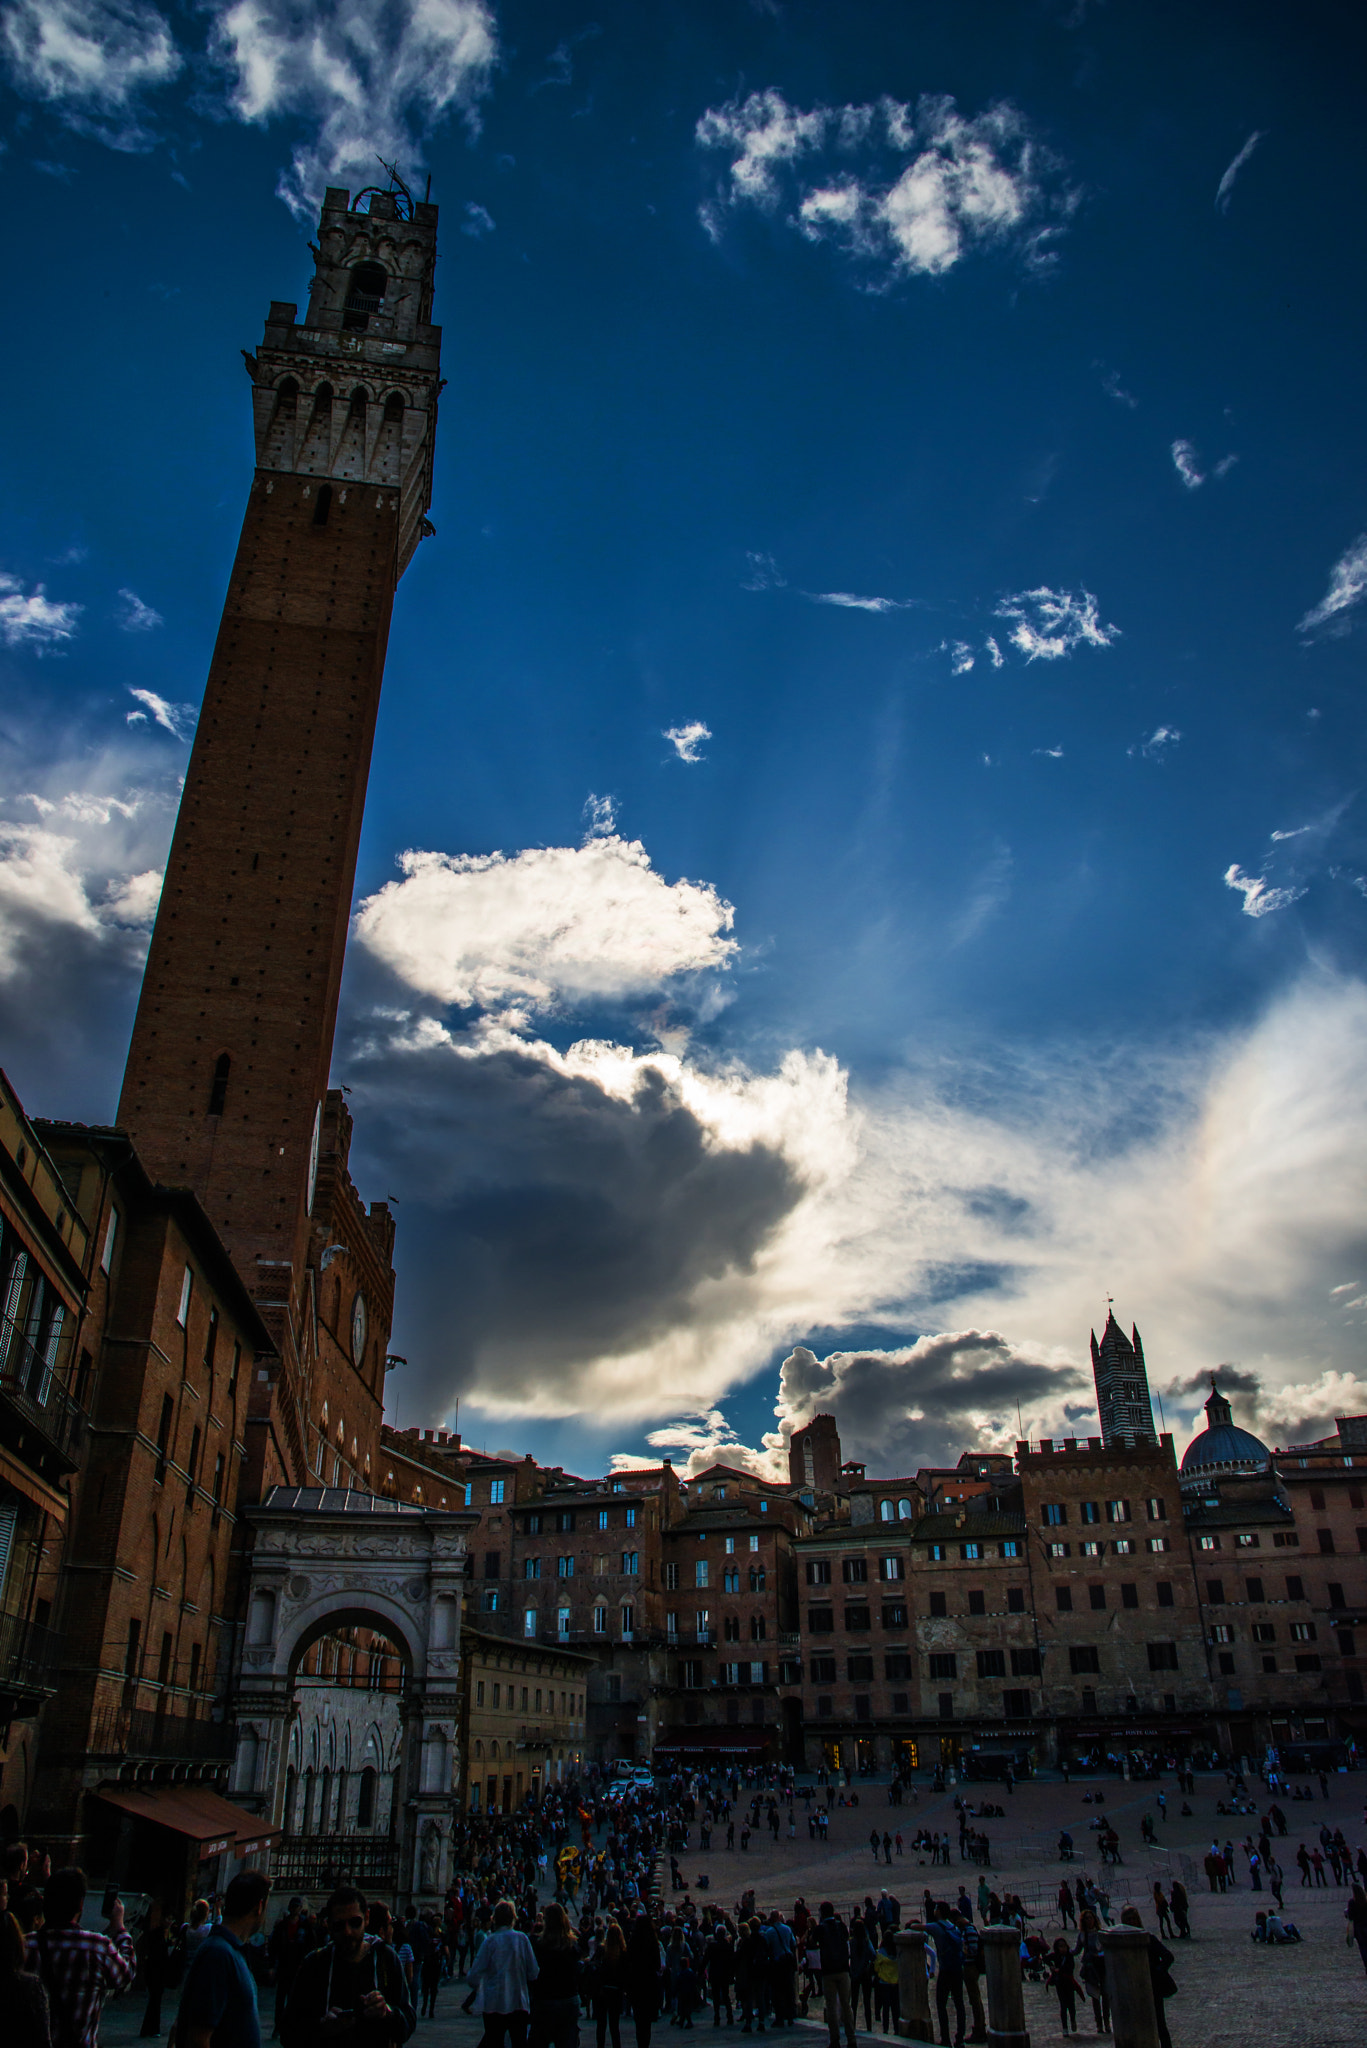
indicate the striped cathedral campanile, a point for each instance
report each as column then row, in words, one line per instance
column 226, row 1087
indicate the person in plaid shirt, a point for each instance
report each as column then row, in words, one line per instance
column 80, row 1968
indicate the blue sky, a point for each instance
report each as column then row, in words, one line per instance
column 957, row 412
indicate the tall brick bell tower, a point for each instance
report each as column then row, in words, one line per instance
column 226, row 1087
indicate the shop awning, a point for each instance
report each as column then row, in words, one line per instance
column 723, row 1744
column 196, row 1811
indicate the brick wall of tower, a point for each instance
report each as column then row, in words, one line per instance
column 246, row 956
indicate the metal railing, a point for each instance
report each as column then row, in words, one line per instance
column 28, row 1656
column 322, row 1862
column 139, row 1732
column 29, row 1383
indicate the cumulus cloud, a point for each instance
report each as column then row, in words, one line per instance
column 1158, row 742
column 32, row 619
column 136, row 617
column 1260, row 897
column 905, row 190
column 548, row 926
column 177, row 719
column 1347, row 586
column 926, row 1402
column 368, row 78
column 91, row 59
column 848, row 601
column 687, row 740
column 1048, row 624
column 478, row 220
column 960, row 657
column 1295, row 1412
column 994, row 653
column 1224, row 191
column 600, row 817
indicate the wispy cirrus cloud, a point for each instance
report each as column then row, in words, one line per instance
column 30, row 618
column 1224, row 191
column 1050, row 624
column 177, row 719
column 92, row 60
column 1185, row 463
column 762, row 573
column 905, row 190
column 134, row 616
column 850, row 601
column 687, row 740
column 1261, row 898
column 1347, row 587
column 1159, row 741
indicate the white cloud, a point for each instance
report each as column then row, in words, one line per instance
column 177, row 719
column 960, row 657
column 371, row 78
column 136, row 617
column 1112, row 386
column 994, row 653
column 32, row 619
column 89, row 58
column 1049, row 753
column 909, row 190
column 761, row 573
column 1224, row 191
column 133, row 900
column 850, row 602
column 1260, row 898
column 1347, row 586
column 1159, row 740
column 478, row 220
column 549, row 925
column 600, row 816
column 1051, row 623
column 687, row 740
column 1185, row 463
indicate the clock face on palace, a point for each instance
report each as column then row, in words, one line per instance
column 358, row 1329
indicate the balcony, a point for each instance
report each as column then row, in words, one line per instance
column 319, row 1863
column 140, row 1734
column 28, row 1665
column 33, row 1398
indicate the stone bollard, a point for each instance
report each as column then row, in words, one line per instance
column 913, row 1992
column 1005, row 1990
column 1129, row 1987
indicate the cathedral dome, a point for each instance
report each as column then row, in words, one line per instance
column 1222, row 1447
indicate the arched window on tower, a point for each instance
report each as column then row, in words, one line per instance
column 359, row 397
column 322, row 402
column 393, row 406
column 365, row 1799
column 322, row 505
column 286, row 398
column 218, row 1092
column 364, row 296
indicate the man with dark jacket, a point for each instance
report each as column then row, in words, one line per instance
column 351, row 1993
column 949, row 1972
column 834, row 1943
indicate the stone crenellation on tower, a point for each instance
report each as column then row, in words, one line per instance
column 1122, row 1388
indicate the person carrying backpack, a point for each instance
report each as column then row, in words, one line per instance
column 833, row 1944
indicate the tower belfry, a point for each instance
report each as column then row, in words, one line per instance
column 226, row 1086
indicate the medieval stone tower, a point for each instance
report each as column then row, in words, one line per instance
column 226, row 1087
column 1122, row 1388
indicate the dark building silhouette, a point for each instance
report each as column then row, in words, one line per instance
column 1122, row 1388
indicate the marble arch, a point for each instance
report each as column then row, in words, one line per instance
column 325, row 1558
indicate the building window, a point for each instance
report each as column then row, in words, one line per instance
column 1308, row 1663
column 1090, row 1549
column 1156, row 1510
column 1162, row 1656
column 1117, row 1511
column 891, row 1568
column 938, row 1553
column 1222, row 1633
column 991, row 1663
column 946, row 1700
column 529, row 1622
column 1015, row 1599
column 628, row 1619
column 1016, row 1706
column 856, row 1618
column 754, row 1543
column 1254, row 1588
column 1063, row 1599
column 600, row 1621
column 491, row 1601
column 970, row 1550
column 1158, row 1543
column 1264, row 1632
column 183, row 1310
column 631, row 1518
column 1129, row 1595
column 1295, row 1589
column 1091, row 1511
column 1207, row 1543
column 1247, row 1543
column 532, row 1527
column 562, row 1621
column 823, row 1707
column 1122, row 1546
column 496, row 1492
column 1326, row 1541
column 631, row 1561
column 1053, row 1514
column 894, row 1614
column 531, row 1568
column 977, row 1601
column 1057, row 1549
column 859, row 1670
column 818, row 1571
column 1302, row 1631
column 107, row 1249
column 897, row 1664
column 1011, row 1548
column 854, row 1570
column 938, row 1604
column 1345, row 1642
column 1097, row 1595
column 944, row 1664
column 887, row 1510
column 700, row 1572
column 730, row 1579
column 1025, row 1664
column 671, row 1578
column 757, row 1578
column 821, row 1621
column 1215, row 1592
